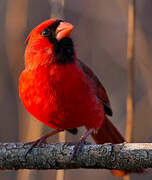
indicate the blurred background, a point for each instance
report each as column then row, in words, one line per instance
column 100, row 37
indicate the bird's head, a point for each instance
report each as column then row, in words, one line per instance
column 49, row 42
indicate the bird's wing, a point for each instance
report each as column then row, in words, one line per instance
column 100, row 90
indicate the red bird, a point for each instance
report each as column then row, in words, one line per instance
column 60, row 90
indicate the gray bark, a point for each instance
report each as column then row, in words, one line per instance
column 129, row 156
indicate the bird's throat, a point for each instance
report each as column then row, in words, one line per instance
column 64, row 51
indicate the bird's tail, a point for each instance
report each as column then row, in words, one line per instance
column 109, row 134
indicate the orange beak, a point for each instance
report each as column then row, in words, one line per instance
column 63, row 30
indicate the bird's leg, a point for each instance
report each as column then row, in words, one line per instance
column 41, row 140
column 81, row 142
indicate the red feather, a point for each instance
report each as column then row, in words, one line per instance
column 60, row 90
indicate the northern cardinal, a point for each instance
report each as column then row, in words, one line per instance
column 60, row 90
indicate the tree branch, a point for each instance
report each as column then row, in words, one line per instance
column 127, row 156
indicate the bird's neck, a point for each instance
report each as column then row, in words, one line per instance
column 64, row 51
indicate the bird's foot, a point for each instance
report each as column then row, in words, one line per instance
column 41, row 140
column 78, row 146
column 38, row 142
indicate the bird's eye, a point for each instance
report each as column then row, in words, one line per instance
column 46, row 32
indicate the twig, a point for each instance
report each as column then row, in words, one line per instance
column 128, row 156
column 130, row 57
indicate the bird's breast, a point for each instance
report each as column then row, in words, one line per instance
column 61, row 96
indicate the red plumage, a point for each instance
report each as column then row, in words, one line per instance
column 60, row 90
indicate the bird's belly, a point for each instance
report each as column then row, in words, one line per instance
column 61, row 98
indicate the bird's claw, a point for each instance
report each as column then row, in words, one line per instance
column 78, row 146
column 38, row 143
